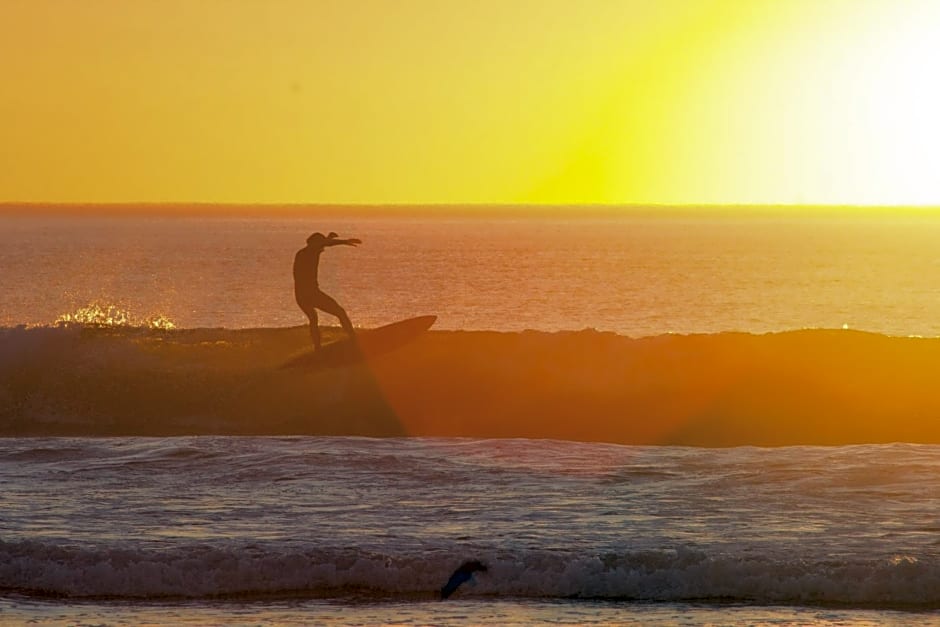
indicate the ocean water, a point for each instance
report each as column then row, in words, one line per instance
column 635, row 275
column 307, row 530
column 544, row 426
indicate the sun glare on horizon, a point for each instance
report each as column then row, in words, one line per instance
column 420, row 101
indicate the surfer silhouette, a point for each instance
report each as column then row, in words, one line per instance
column 463, row 573
column 307, row 290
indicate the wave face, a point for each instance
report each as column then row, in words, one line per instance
column 800, row 387
column 254, row 571
column 315, row 517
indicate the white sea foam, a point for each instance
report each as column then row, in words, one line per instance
column 320, row 517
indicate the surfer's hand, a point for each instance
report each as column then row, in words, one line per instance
column 354, row 241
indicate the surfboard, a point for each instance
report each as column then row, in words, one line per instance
column 367, row 344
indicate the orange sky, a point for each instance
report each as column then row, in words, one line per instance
column 471, row 101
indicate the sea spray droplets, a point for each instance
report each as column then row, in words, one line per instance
column 96, row 314
column 160, row 322
column 107, row 315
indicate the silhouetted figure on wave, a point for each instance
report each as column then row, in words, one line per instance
column 307, row 288
column 463, row 573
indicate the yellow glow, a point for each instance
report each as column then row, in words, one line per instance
column 544, row 101
column 107, row 315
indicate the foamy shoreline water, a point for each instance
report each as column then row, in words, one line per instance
column 352, row 611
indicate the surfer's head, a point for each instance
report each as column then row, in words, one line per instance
column 316, row 238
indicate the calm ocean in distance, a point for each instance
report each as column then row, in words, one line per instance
column 636, row 276
column 206, row 530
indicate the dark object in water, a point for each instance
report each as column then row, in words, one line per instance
column 462, row 574
column 365, row 344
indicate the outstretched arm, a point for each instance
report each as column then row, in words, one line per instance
column 334, row 240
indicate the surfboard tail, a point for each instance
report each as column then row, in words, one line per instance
column 365, row 344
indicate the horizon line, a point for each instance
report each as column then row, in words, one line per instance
column 130, row 208
column 178, row 203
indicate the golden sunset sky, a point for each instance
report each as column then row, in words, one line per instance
column 471, row 101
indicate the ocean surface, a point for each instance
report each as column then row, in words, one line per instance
column 677, row 420
column 637, row 275
column 310, row 530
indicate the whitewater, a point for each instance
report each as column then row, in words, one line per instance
column 247, row 526
column 630, row 420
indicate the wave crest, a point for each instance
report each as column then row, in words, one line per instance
column 828, row 387
column 679, row 574
column 109, row 316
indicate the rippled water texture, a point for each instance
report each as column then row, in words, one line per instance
column 633, row 275
column 203, row 517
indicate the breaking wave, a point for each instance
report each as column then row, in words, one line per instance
column 255, row 570
column 799, row 387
